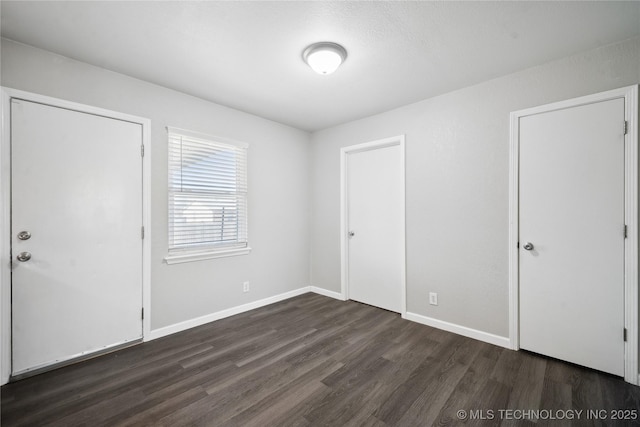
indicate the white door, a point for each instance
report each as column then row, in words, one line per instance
column 571, row 235
column 376, row 225
column 77, row 190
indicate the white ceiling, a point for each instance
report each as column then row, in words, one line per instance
column 247, row 55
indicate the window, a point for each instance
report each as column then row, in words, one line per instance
column 207, row 197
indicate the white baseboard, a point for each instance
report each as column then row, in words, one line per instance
column 460, row 330
column 327, row 293
column 192, row 323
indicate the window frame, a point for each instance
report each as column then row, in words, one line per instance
column 204, row 251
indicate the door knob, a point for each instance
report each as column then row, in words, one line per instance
column 351, row 234
column 24, row 256
column 24, row 235
column 528, row 246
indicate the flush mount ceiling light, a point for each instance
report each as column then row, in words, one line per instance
column 324, row 57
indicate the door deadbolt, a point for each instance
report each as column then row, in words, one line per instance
column 528, row 246
column 24, row 256
column 24, row 235
column 351, row 234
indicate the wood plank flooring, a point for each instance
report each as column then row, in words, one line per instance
column 312, row 360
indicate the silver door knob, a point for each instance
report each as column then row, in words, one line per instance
column 24, row 235
column 351, row 234
column 528, row 246
column 24, row 256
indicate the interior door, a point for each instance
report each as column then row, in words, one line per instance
column 375, row 224
column 76, row 182
column 572, row 234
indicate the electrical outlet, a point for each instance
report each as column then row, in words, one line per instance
column 433, row 298
column 245, row 287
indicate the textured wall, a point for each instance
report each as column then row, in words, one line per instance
column 278, row 183
column 457, row 170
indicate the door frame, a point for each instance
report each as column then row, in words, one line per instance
column 7, row 94
column 344, row 214
column 630, row 95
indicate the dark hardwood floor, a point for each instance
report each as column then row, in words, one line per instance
column 312, row 360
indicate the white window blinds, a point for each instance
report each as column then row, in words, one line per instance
column 207, row 193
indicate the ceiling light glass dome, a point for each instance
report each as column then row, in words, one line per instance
column 324, row 57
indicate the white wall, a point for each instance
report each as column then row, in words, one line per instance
column 457, row 170
column 278, row 183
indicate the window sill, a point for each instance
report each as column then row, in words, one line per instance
column 201, row 256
